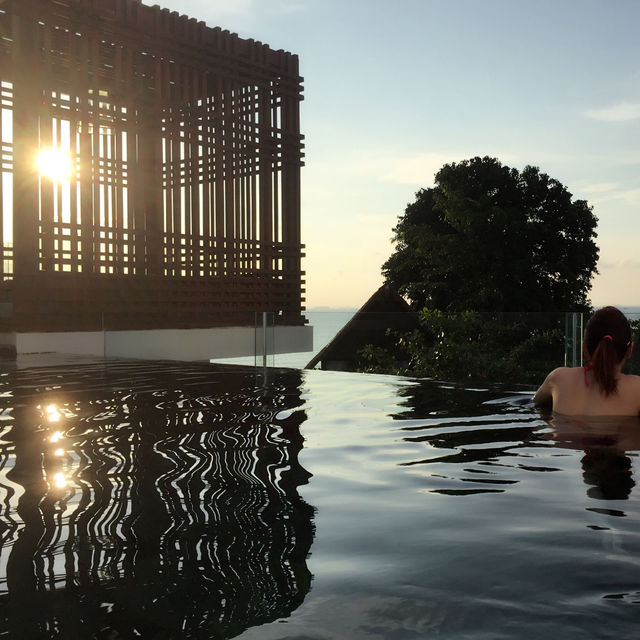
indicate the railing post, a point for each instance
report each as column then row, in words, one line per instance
column 264, row 341
column 573, row 331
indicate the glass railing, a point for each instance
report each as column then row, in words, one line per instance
column 516, row 348
column 573, row 332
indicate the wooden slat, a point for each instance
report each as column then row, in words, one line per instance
column 211, row 230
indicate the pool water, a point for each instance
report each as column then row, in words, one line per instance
column 172, row 500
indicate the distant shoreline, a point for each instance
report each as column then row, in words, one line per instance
column 334, row 309
column 322, row 309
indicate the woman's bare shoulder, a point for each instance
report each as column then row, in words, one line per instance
column 631, row 381
column 564, row 373
column 558, row 378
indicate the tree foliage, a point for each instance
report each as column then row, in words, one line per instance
column 491, row 238
column 470, row 346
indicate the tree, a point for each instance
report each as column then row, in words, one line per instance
column 490, row 238
column 518, row 348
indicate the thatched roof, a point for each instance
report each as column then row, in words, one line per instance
column 385, row 309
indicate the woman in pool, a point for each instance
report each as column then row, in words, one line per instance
column 599, row 388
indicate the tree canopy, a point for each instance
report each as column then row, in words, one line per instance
column 491, row 238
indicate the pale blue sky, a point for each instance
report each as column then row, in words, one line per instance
column 394, row 89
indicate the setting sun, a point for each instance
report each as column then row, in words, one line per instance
column 55, row 164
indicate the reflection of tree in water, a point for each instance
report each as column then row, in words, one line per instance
column 426, row 398
column 168, row 509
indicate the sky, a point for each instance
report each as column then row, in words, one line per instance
column 394, row 89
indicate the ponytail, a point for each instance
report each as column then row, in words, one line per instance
column 603, row 365
column 607, row 338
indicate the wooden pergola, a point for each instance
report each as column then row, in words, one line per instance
column 181, row 207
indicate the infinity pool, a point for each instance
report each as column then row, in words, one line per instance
column 172, row 500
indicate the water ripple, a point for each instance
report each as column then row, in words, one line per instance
column 166, row 491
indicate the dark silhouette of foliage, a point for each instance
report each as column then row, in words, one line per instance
column 491, row 238
column 633, row 364
column 491, row 257
column 517, row 348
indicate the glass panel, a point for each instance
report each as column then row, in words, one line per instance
column 325, row 326
column 573, row 332
column 264, row 332
column 509, row 348
column 513, row 348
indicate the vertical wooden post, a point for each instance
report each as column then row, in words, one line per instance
column 147, row 189
column 291, row 188
column 27, row 98
column 219, row 171
column 265, row 170
column 230, row 236
column 206, row 178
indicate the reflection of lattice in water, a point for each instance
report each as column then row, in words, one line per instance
column 229, row 486
column 182, row 504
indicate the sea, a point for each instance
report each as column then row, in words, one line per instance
column 326, row 324
column 633, row 313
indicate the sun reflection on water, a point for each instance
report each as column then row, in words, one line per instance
column 59, row 480
column 52, row 413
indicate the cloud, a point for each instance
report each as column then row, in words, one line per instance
column 600, row 187
column 620, row 112
column 619, row 264
column 630, row 196
column 420, row 169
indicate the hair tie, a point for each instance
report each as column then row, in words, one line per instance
column 607, row 337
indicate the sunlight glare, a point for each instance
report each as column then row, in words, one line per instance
column 55, row 164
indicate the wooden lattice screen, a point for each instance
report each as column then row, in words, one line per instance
column 182, row 206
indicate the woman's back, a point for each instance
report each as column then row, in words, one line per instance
column 599, row 388
column 573, row 391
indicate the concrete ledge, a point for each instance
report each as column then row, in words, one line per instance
column 7, row 344
column 86, row 343
column 165, row 344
